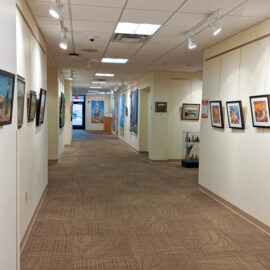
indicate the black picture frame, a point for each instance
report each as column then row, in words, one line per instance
column 20, row 101
column 240, row 115
column 32, row 106
column 196, row 106
column 161, row 107
column 41, row 107
column 255, row 113
column 4, row 110
column 218, row 105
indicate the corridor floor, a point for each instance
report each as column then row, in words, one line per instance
column 108, row 208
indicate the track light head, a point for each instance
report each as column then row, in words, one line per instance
column 55, row 9
column 212, row 22
column 191, row 45
column 64, row 40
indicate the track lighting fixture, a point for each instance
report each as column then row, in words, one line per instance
column 64, row 41
column 191, row 45
column 212, row 22
column 55, row 9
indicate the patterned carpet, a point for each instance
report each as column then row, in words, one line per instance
column 108, row 208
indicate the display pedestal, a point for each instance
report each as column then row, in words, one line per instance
column 107, row 125
column 190, row 164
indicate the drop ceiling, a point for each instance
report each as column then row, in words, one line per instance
column 166, row 50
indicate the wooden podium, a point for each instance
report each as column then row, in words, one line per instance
column 107, row 125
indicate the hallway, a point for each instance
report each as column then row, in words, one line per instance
column 108, row 208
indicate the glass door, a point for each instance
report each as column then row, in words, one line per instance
column 78, row 115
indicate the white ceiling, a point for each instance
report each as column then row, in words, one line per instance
column 166, row 50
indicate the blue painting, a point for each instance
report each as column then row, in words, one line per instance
column 6, row 97
column 97, row 111
column 134, row 112
column 114, row 114
column 122, row 114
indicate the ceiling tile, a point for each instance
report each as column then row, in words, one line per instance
column 100, row 3
column 185, row 19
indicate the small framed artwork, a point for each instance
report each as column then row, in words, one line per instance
column 161, row 107
column 260, row 111
column 62, row 110
column 41, row 107
column 235, row 114
column 20, row 99
column 32, row 106
column 216, row 114
column 6, row 97
column 205, row 103
column 190, row 111
column 126, row 110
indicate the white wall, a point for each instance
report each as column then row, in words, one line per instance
column 8, row 143
column 32, row 147
column 88, row 100
column 234, row 164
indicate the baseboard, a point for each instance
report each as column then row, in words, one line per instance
column 175, row 160
column 52, row 161
column 29, row 227
column 257, row 223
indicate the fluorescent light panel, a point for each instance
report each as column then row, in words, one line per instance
column 104, row 75
column 114, row 60
column 98, row 82
column 136, row 28
column 95, row 87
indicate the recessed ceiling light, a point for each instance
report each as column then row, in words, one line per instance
column 104, row 75
column 137, row 28
column 95, row 87
column 114, row 60
column 99, row 82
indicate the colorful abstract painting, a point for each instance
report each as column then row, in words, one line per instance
column 216, row 114
column 122, row 114
column 62, row 110
column 97, row 111
column 32, row 106
column 20, row 100
column 114, row 114
column 190, row 111
column 6, row 97
column 260, row 111
column 134, row 112
column 235, row 114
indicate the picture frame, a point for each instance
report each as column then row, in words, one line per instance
column 190, row 111
column 20, row 100
column 62, row 110
column 160, row 107
column 205, row 105
column 260, row 111
column 41, row 107
column 235, row 114
column 32, row 106
column 216, row 114
column 7, row 84
column 133, row 120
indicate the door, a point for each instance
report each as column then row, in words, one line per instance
column 78, row 115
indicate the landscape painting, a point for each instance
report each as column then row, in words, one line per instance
column 216, row 114
column 97, row 111
column 20, row 100
column 32, row 106
column 161, row 107
column 62, row 110
column 235, row 114
column 41, row 107
column 122, row 114
column 6, row 97
column 260, row 111
column 134, row 112
column 190, row 111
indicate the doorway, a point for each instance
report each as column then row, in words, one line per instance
column 78, row 112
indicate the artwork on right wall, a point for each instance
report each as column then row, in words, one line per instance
column 216, row 114
column 260, row 111
column 122, row 114
column 235, row 114
column 134, row 112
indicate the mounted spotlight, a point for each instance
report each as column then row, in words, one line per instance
column 191, row 45
column 64, row 40
column 55, row 9
column 212, row 21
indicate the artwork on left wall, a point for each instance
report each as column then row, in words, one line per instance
column 6, row 97
column 122, row 114
column 134, row 112
column 97, row 111
column 20, row 99
column 190, row 111
column 41, row 107
column 32, row 106
column 216, row 114
column 62, row 110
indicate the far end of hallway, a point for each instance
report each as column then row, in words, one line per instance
column 109, row 208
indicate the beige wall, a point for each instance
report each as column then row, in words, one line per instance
column 234, row 163
column 164, row 133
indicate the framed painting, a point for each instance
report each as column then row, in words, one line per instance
column 235, row 114
column 62, row 110
column 7, row 81
column 97, row 111
column 190, row 111
column 122, row 114
column 32, row 106
column 161, row 107
column 260, row 111
column 20, row 99
column 134, row 112
column 41, row 107
column 216, row 114
column 205, row 103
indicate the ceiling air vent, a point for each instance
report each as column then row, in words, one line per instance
column 127, row 38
